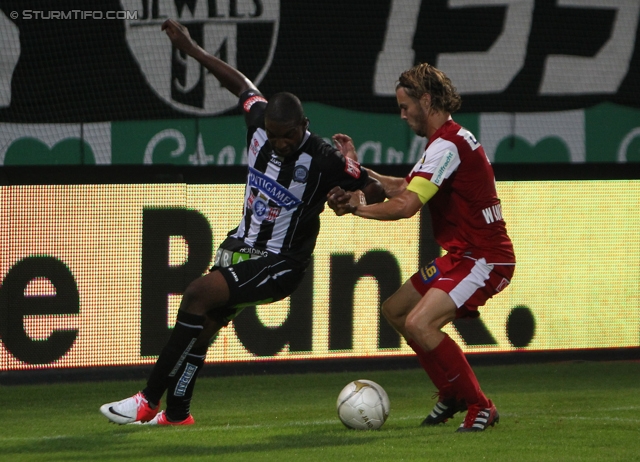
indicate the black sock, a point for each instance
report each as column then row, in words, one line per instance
column 181, row 386
column 185, row 333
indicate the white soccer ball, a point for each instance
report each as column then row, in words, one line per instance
column 363, row 405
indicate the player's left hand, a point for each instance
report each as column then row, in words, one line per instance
column 345, row 145
column 338, row 200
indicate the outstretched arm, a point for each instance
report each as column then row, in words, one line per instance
column 373, row 191
column 230, row 78
column 392, row 185
column 403, row 205
column 340, row 201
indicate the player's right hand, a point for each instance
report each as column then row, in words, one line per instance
column 179, row 35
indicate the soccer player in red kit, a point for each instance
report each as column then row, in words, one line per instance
column 456, row 180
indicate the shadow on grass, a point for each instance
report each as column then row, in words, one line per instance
column 128, row 445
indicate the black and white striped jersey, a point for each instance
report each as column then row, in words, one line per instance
column 284, row 196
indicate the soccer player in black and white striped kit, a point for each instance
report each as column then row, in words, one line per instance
column 290, row 172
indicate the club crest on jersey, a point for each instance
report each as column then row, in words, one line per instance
column 352, row 167
column 222, row 28
column 272, row 190
column 300, row 174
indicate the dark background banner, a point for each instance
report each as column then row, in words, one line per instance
column 518, row 56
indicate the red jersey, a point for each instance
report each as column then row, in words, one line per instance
column 466, row 211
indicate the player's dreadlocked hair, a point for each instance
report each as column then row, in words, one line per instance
column 285, row 107
column 424, row 78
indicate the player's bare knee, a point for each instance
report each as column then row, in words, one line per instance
column 393, row 317
column 392, row 310
column 419, row 326
column 194, row 298
column 386, row 310
column 412, row 326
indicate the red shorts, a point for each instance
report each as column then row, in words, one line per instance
column 470, row 282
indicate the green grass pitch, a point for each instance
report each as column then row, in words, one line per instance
column 572, row 411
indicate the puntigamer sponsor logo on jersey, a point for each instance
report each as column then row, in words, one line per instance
column 272, row 189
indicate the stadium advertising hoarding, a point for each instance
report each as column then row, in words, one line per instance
column 91, row 276
column 605, row 133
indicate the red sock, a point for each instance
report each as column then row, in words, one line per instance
column 459, row 373
column 433, row 370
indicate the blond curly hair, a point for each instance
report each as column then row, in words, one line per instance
column 424, row 78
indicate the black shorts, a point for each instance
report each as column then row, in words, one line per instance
column 257, row 281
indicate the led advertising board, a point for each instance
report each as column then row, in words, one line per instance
column 91, row 276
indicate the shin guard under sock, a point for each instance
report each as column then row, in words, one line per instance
column 459, row 373
column 433, row 370
column 185, row 333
